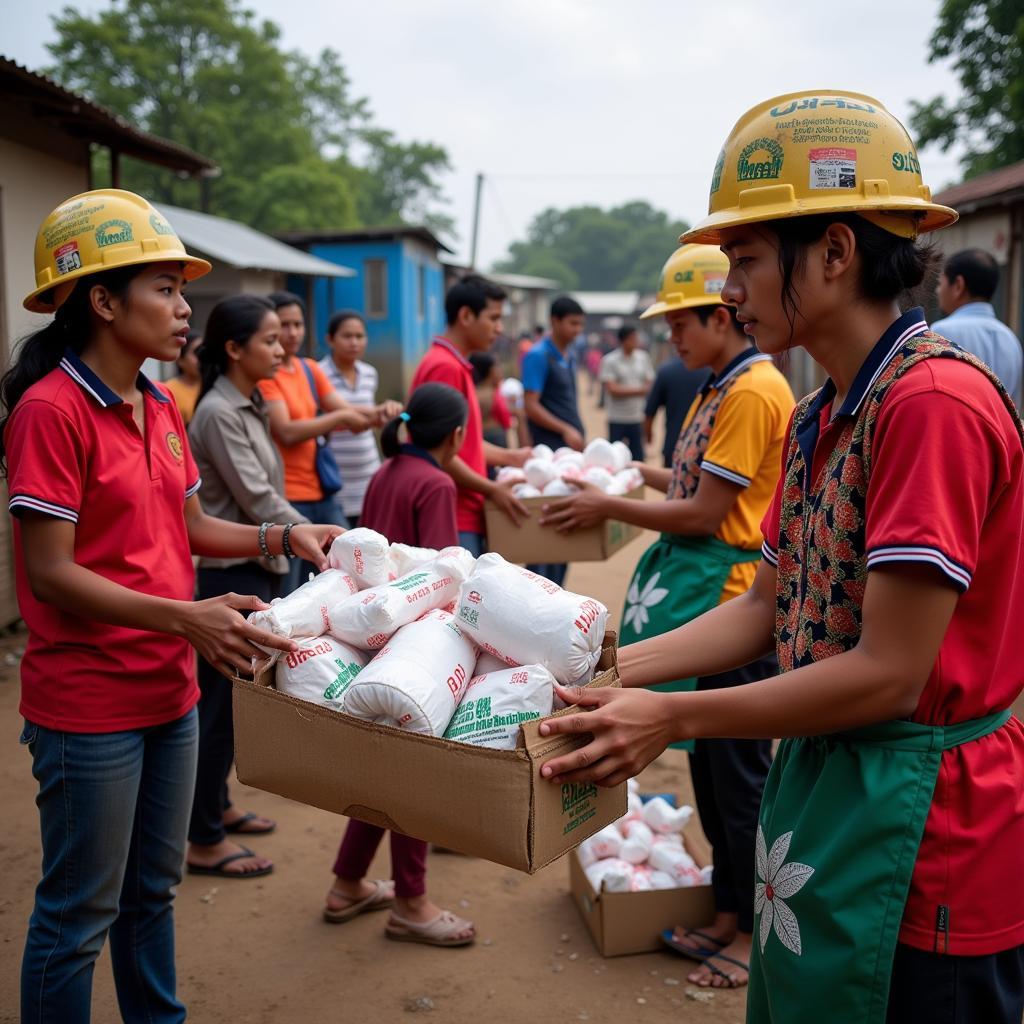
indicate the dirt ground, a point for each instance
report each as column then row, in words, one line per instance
column 257, row 951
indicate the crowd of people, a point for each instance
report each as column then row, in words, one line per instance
column 845, row 572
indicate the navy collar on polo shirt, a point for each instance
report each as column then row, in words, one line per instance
column 73, row 366
column 734, row 366
column 896, row 335
column 419, row 453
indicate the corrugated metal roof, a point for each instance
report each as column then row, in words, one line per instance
column 421, row 234
column 242, row 247
column 80, row 117
column 608, row 303
column 984, row 190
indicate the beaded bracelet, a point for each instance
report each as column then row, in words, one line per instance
column 262, row 538
column 285, row 544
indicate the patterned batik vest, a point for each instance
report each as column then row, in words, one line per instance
column 693, row 443
column 822, row 570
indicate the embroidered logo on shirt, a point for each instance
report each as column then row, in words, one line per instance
column 174, row 446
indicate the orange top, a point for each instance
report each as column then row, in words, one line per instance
column 291, row 386
column 185, row 396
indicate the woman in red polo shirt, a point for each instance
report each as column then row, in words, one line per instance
column 892, row 584
column 106, row 519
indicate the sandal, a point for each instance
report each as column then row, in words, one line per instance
column 733, row 983
column 380, row 899
column 668, row 936
column 218, row 868
column 238, row 826
column 442, row 931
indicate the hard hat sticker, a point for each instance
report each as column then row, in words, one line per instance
column 67, row 258
column 833, row 167
column 113, row 232
column 760, row 159
column 714, row 282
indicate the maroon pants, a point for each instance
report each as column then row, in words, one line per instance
column 408, row 858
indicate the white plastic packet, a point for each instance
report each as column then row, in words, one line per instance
column 497, row 703
column 675, row 862
column 629, row 479
column 370, row 618
column 363, row 554
column 662, row 817
column 510, row 474
column 521, row 491
column 598, row 476
column 416, row 682
column 613, row 875
column 561, row 453
column 511, row 389
column 603, row 844
column 641, row 880
column 307, row 611
column 403, row 558
column 569, row 458
column 542, row 451
column 636, row 847
column 489, row 663
column 540, row 472
column 662, row 880
column 600, row 453
column 559, row 488
column 519, row 616
column 621, row 454
column 320, row 671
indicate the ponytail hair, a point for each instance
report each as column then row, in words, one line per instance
column 71, row 328
column 433, row 413
column 235, row 319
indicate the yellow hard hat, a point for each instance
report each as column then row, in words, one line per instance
column 819, row 152
column 693, row 276
column 96, row 231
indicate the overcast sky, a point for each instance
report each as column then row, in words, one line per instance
column 562, row 102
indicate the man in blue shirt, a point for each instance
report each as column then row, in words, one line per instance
column 549, row 380
column 966, row 286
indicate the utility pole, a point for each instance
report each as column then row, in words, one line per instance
column 476, row 221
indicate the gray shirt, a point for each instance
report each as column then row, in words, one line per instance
column 243, row 477
column 632, row 371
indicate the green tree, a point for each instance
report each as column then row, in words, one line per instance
column 985, row 40
column 281, row 126
column 590, row 248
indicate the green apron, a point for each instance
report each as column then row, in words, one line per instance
column 841, row 822
column 677, row 579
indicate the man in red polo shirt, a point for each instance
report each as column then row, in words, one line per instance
column 473, row 307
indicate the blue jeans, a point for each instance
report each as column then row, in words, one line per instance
column 474, row 543
column 113, row 813
column 326, row 510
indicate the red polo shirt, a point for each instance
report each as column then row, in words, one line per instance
column 947, row 490
column 74, row 452
column 446, row 365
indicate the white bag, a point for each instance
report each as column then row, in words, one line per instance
column 598, row 476
column 622, row 455
column 489, row 663
column 510, row 474
column 320, row 671
column 613, row 875
column 662, row 880
column 663, row 818
column 524, row 490
column 636, row 847
column 307, row 611
column 675, row 862
column 370, row 618
column 416, row 682
column 603, row 844
column 496, row 703
column 363, row 554
column 559, row 488
column 519, row 616
column 539, row 473
column 600, row 453
column 629, row 479
column 403, row 558
column 542, row 451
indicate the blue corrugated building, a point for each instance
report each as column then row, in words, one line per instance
column 398, row 288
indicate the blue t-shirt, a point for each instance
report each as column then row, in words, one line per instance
column 553, row 376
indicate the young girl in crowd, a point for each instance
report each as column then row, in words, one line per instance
column 494, row 411
column 243, row 482
column 892, row 585
column 356, row 382
column 304, row 408
column 184, row 388
column 411, row 500
column 106, row 519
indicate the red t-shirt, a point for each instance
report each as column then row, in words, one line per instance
column 411, row 500
column 446, row 365
column 947, row 489
column 74, row 452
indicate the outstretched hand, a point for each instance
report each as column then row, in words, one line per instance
column 587, row 508
column 630, row 728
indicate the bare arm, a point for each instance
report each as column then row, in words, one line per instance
column 536, row 413
column 498, row 456
column 657, row 477
column 907, row 609
column 617, row 390
column 470, row 480
column 288, row 432
column 698, row 516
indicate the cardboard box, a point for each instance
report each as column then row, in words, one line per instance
column 532, row 543
column 632, row 922
column 482, row 802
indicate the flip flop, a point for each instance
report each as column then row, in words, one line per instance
column 691, row 953
column 377, row 900
column 218, row 868
column 238, row 826
column 442, row 931
column 733, row 983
